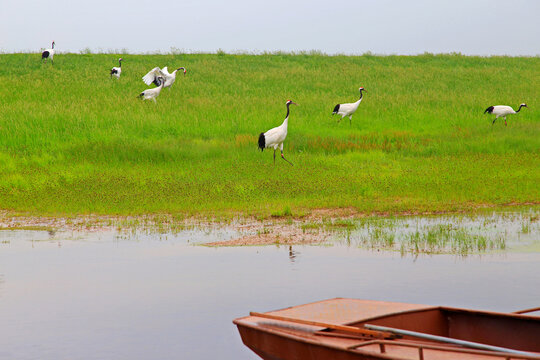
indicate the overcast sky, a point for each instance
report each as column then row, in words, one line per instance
column 478, row 27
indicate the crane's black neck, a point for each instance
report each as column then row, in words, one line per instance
column 120, row 63
column 361, row 94
column 520, row 106
column 287, row 116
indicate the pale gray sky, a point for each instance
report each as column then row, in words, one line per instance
column 478, row 27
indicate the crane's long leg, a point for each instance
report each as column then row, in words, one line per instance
column 505, row 121
column 350, row 119
column 283, row 157
column 274, row 156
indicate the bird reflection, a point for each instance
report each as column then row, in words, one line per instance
column 292, row 254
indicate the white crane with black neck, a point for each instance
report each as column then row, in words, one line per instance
column 154, row 75
column 274, row 138
column 48, row 54
column 503, row 110
column 348, row 109
column 152, row 94
column 116, row 71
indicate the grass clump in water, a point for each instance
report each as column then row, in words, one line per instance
column 458, row 235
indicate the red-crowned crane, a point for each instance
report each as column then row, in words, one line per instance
column 48, row 54
column 152, row 93
column 274, row 138
column 116, row 71
column 154, row 75
column 348, row 109
column 502, row 110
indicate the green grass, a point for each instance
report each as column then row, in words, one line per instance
column 74, row 141
column 459, row 234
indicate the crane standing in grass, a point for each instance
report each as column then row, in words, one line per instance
column 156, row 73
column 502, row 110
column 152, row 93
column 275, row 137
column 116, row 71
column 48, row 54
column 348, row 109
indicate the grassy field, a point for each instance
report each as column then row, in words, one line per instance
column 74, row 141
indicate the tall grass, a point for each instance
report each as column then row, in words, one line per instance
column 72, row 140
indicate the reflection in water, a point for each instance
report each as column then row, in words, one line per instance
column 292, row 254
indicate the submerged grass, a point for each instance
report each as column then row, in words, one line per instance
column 74, row 141
column 457, row 234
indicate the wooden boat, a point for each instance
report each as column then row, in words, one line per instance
column 343, row 329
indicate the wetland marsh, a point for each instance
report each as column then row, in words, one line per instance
column 140, row 230
column 162, row 292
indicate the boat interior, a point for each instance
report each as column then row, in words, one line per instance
column 497, row 329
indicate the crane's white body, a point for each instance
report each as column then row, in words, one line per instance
column 154, row 74
column 348, row 109
column 117, row 70
column 274, row 137
column 48, row 54
column 502, row 111
column 152, row 94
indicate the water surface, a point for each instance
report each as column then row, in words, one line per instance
column 139, row 295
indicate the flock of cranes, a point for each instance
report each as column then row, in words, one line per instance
column 157, row 76
column 274, row 137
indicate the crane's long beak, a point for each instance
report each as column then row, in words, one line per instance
column 294, row 103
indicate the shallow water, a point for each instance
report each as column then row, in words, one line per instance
column 135, row 295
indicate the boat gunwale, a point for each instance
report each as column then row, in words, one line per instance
column 448, row 309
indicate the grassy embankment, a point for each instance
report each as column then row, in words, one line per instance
column 74, row 141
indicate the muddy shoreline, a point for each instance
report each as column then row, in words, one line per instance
column 314, row 227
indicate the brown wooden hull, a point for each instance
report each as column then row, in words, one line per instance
column 302, row 334
column 277, row 347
